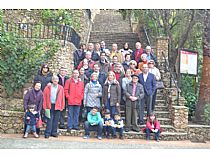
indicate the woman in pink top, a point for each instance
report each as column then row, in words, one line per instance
column 153, row 126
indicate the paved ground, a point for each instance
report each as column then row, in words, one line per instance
column 15, row 141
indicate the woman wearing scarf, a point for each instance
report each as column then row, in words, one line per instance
column 93, row 93
column 111, row 94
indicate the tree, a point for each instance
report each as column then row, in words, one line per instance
column 204, row 97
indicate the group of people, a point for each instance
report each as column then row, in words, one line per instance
column 102, row 82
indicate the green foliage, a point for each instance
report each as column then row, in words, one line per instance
column 21, row 58
column 61, row 16
column 207, row 113
column 188, row 87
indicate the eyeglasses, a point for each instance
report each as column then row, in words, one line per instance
column 132, row 64
column 45, row 67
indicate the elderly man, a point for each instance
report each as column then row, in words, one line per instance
column 94, row 55
column 53, row 104
column 115, row 52
column 134, row 93
column 136, row 54
column 150, row 54
column 88, row 58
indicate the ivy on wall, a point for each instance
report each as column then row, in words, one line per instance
column 20, row 58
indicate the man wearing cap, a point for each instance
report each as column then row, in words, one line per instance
column 148, row 81
column 134, row 93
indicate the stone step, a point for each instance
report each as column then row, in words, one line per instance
column 161, row 108
column 165, row 135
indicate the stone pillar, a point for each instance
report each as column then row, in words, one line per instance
column 179, row 117
column 63, row 57
column 161, row 46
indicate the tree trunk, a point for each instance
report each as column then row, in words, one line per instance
column 204, row 93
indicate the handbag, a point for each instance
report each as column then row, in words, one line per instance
column 39, row 123
column 159, row 85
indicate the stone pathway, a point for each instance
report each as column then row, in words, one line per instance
column 15, row 141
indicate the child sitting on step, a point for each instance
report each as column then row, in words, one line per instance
column 31, row 117
column 153, row 126
column 108, row 124
column 118, row 125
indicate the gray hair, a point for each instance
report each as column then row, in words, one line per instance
column 55, row 77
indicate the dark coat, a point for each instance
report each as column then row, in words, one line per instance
column 78, row 57
column 31, row 119
column 104, row 67
column 95, row 56
column 32, row 98
column 102, row 78
column 115, row 93
column 129, row 90
column 60, row 80
column 43, row 79
column 125, row 66
column 149, row 85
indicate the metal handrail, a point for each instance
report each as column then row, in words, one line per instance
column 44, row 31
column 172, row 77
column 145, row 31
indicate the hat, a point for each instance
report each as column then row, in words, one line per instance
column 134, row 75
column 144, row 55
column 116, row 113
column 107, row 112
column 151, row 62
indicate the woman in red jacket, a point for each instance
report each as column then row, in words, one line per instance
column 153, row 126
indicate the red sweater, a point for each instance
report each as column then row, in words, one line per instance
column 60, row 100
column 156, row 125
column 74, row 92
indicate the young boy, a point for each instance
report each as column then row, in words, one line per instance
column 31, row 118
column 108, row 124
column 93, row 123
column 118, row 126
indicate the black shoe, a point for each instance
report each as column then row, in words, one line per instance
column 121, row 137
column 69, row 130
column 77, row 129
column 127, row 130
column 46, row 136
column 54, row 135
column 114, row 136
column 135, row 130
column 61, row 127
column 108, row 137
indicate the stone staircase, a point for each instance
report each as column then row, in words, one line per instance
column 110, row 27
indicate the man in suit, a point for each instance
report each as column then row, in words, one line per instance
column 148, row 81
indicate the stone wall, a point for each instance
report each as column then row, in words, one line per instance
column 11, row 121
column 63, row 57
column 198, row 133
column 179, row 117
column 161, row 46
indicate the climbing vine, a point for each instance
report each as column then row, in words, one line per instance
column 21, row 58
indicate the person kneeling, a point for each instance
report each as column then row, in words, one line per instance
column 93, row 123
column 118, row 126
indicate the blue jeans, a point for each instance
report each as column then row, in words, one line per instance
column 73, row 116
column 112, row 109
column 52, row 122
column 32, row 127
column 108, row 130
column 148, row 131
column 89, row 127
column 120, row 130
